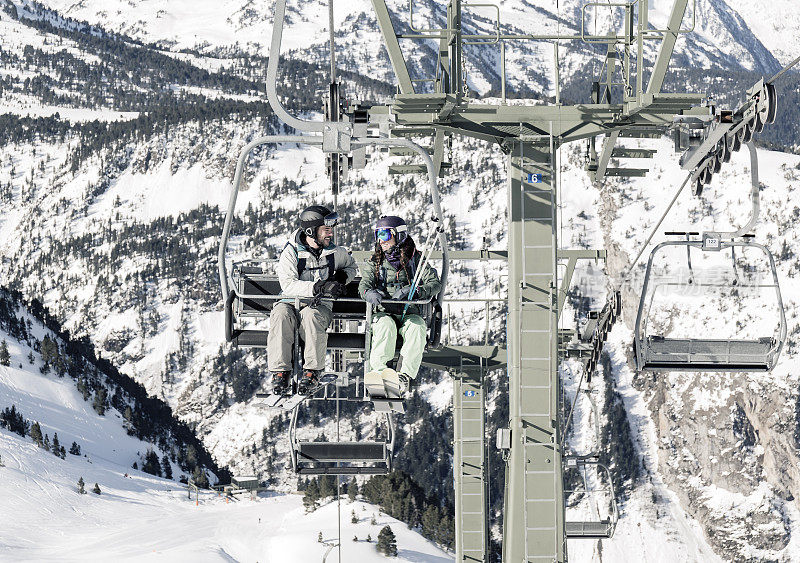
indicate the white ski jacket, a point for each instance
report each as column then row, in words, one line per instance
column 299, row 269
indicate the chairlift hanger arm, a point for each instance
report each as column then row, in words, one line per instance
column 237, row 180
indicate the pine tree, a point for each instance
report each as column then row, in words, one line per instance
column 167, row 466
column 353, row 517
column 200, row 478
column 387, row 543
column 151, row 463
column 352, row 490
column 369, row 538
column 99, row 404
column 5, row 357
column 36, row 434
column 46, row 444
column 311, row 497
column 81, row 484
column 319, row 537
column 96, row 489
column 75, row 449
column 355, row 538
column 327, row 487
column 56, row 445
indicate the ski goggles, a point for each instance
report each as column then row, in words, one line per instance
column 384, row 235
column 331, row 220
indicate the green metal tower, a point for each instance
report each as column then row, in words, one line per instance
column 535, row 529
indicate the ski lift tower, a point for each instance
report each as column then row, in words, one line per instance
column 622, row 105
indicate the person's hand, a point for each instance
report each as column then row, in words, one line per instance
column 330, row 288
column 340, row 276
column 402, row 293
column 374, row 297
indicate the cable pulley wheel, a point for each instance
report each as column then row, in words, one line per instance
column 772, row 102
column 698, row 185
column 736, row 141
column 708, row 173
column 726, row 149
column 747, row 134
column 759, row 123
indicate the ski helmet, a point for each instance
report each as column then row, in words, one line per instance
column 317, row 216
column 391, row 226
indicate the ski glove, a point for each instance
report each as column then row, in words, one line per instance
column 340, row 276
column 402, row 293
column 374, row 297
column 329, row 288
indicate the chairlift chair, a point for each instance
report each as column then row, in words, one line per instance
column 342, row 457
column 603, row 527
column 757, row 353
column 660, row 352
column 252, row 290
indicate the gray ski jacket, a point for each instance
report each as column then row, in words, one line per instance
column 298, row 268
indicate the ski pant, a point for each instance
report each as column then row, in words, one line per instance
column 384, row 340
column 313, row 325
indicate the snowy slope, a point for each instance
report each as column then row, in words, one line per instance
column 144, row 518
column 141, row 517
column 59, row 408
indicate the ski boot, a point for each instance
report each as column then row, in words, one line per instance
column 280, row 382
column 308, row 381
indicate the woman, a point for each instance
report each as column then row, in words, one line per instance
column 389, row 274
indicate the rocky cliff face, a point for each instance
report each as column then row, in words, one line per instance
column 725, row 441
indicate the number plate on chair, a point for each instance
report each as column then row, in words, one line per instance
column 711, row 241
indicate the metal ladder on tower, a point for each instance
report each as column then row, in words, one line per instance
column 537, row 394
column 469, row 467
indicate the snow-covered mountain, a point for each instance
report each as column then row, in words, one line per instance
column 114, row 223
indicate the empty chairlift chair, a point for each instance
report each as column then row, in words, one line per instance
column 726, row 291
column 589, row 491
column 343, row 457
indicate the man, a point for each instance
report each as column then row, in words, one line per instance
column 310, row 266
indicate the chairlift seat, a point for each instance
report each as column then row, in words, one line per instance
column 325, row 458
column 657, row 352
column 676, row 354
column 251, row 281
column 380, row 469
column 336, row 340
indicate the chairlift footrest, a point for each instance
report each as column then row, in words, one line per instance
column 388, row 405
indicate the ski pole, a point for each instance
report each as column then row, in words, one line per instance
column 421, row 266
